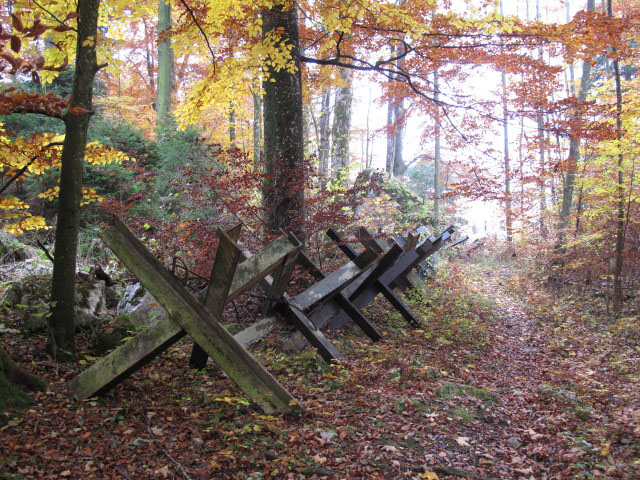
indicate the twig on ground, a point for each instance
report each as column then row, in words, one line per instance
column 164, row 451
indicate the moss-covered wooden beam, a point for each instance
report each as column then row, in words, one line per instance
column 186, row 313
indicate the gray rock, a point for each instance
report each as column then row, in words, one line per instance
column 514, row 442
column 33, row 305
column 326, row 435
column 111, row 297
column 140, row 307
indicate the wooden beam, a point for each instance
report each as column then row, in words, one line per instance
column 186, row 313
column 315, row 337
column 224, row 266
column 367, row 295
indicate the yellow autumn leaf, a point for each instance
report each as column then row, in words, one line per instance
column 430, row 475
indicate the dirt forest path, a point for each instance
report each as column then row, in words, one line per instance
column 554, row 400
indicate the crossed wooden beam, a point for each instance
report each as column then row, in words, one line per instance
column 398, row 275
column 187, row 315
column 377, row 269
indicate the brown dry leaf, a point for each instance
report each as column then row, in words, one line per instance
column 463, row 441
column 319, row 459
column 164, row 471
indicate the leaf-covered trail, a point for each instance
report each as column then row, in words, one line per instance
column 504, row 381
column 554, row 409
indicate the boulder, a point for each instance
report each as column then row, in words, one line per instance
column 140, row 307
column 29, row 300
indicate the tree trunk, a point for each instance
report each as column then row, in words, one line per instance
column 232, row 126
column 62, row 342
column 324, row 137
column 165, row 69
column 257, row 129
column 399, row 166
column 507, row 163
column 341, row 128
column 507, row 160
column 283, row 127
column 620, row 221
column 150, row 62
column 390, row 139
column 541, row 147
column 437, row 187
column 574, row 147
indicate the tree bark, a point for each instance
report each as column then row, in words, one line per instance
column 13, row 381
column 165, row 69
column 390, row 139
column 399, row 166
column 341, row 128
column 62, row 343
column 232, row 126
column 283, row 127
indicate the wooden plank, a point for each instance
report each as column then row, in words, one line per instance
column 186, row 312
column 224, row 266
column 255, row 268
column 256, row 331
column 382, row 266
column 328, row 286
column 325, row 311
column 426, row 249
column 314, row 336
column 280, row 282
column 380, row 245
column 125, row 360
column 368, row 294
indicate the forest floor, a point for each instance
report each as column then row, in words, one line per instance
column 506, row 380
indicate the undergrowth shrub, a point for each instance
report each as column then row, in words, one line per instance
column 453, row 310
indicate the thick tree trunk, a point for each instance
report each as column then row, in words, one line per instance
column 165, row 69
column 574, row 147
column 437, row 187
column 283, row 127
column 341, row 128
column 62, row 343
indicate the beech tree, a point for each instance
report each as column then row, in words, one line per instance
column 165, row 68
column 62, row 320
